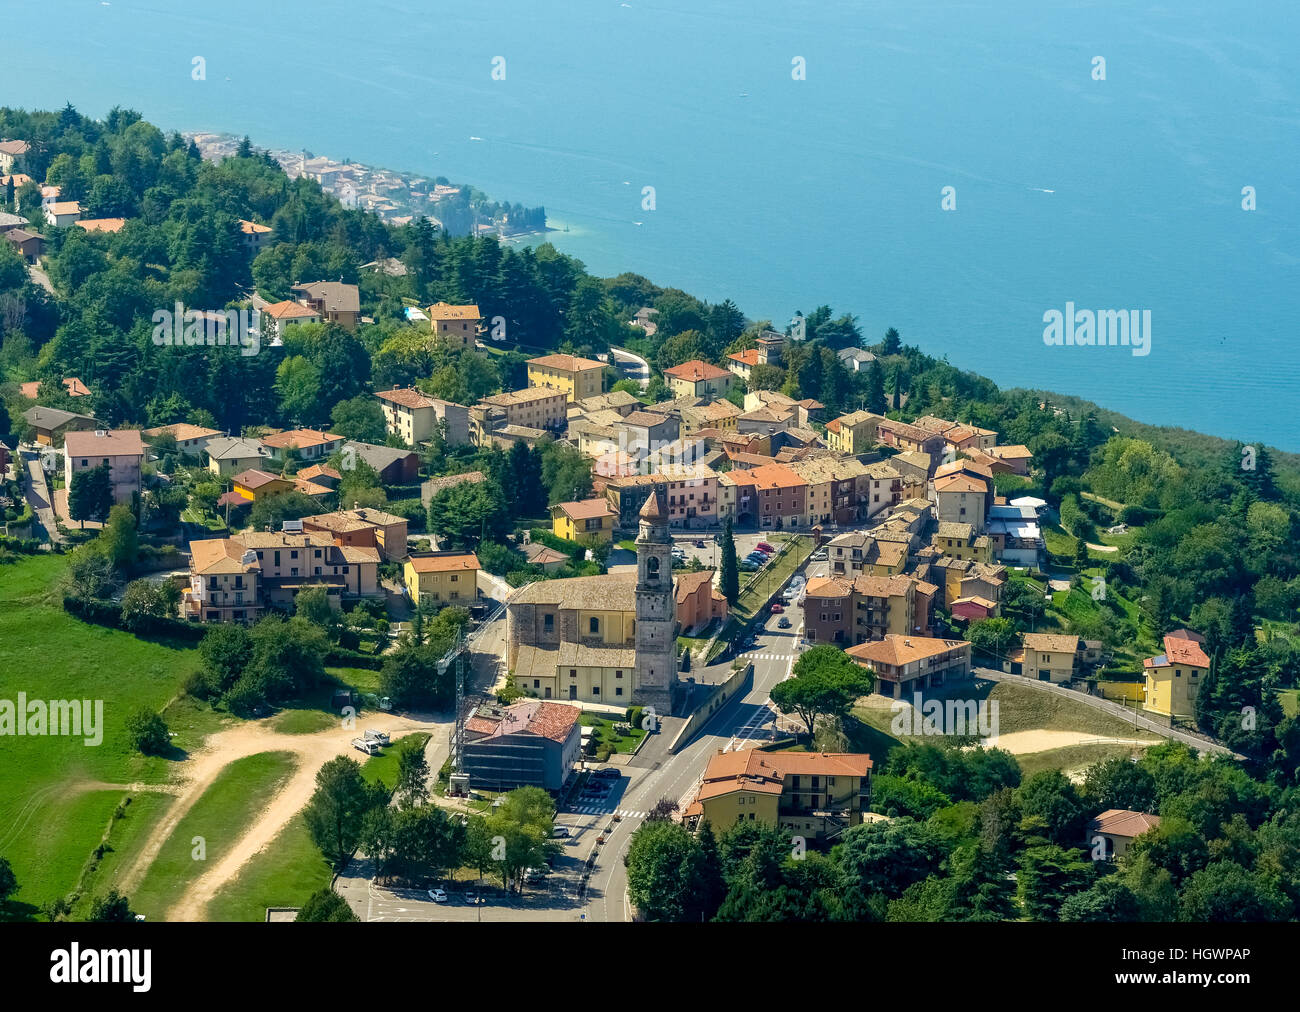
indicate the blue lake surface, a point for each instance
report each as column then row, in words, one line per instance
column 782, row 194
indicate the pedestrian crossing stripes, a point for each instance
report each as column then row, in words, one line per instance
column 769, row 655
column 623, row 813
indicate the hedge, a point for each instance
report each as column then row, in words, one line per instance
column 108, row 613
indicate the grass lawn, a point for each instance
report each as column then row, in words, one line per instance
column 605, row 735
column 1073, row 758
column 302, row 721
column 219, row 817
column 292, row 867
column 283, row 875
column 58, row 795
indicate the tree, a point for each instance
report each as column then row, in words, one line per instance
column 1047, row 876
column 1050, row 798
column 143, row 601
column 892, row 344
column 90, row 495
column 412, row 774
column 111, row 908
column 663, row 872
column 876, row 387
column 1226, row 892
column 224, row 652
column 993, row 637
column 360, row 418
column 826, row 682
column 119, row 539
column 148, row 733
column 326, row 906
column 888, row 857
column 8, row 881
column 467, row 513
column 338, row 807
column 1108, row 899
column 90, row 575
column 410, row 676
column 729, row 578
column 313, row 605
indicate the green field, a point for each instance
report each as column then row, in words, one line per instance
column 219, row 818
column 605, row 735
column 292, row 867
column 58, row 795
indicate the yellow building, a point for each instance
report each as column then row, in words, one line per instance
column 442, row 578
column 809, row 794
column 579, row 378
column 853, row 433
column 455, row 326
column 1174, row 678
column 698, row 379
column 589, row 522
column 959, row 541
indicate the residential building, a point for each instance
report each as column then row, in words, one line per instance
column 304, row 444
column 699, row 379
column 544, row 557
column 961, row 498
column 816, row 795
column 320, row 474
column 644, row 431
column 283, row 314
column 579, row 378
column 333, row 301
column 855, row 359
column 1174, row 678
column 767, row 418
column 442, row 578
column 454, row 326
column 30, row 245
column 13, row 155
column 909, row 437
column 742, row 362
column 413, row 416
column 62, row 213
column 589, row 522
column 780, row 497
column 698, row 602
column 191, row 439
column 721, row 415
column 849, row 610
column 254, row 484
column 619, row 401
column 255, row 237
column 1049, row 657
column 52, row 424
column 396, row 466
column 228, row 455
column 121, row 449
column 863, row 553
column 959, row 541
column 1017, row 457
column 238, row 578
column 535, row 408
column 532, row 743
column 1117, row 828
column 363, row 528
column 101, row 224
column 907, row 664
column 853, row 433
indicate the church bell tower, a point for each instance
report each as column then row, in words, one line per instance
column 656, row 618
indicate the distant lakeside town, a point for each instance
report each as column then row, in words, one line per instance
column 397, row 197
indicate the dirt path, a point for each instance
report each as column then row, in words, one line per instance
column 311, row 751
column 1025, row 742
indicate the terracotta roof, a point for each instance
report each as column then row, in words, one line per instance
column 696, row 371
column 776, row 476
column 752, row 762
column 687, row 584
column 959, row 483
column 1016, row 451
column 319, row 471
column 652, row 509
column 219, row 555
column 612, row 592
column 252, row 227
column 102, row 224
column 300, row 438
column 525, row 396
column 444, row 312
column 65, row 207
column 966, row 465
column 113, row 442
column 899, row 650
column 539, row 554
column 553, row 721
column 829, row 586
column 182, row 431
column 1051, row 643
column 566, row 363
column 1123, row 822
column 253, row 479
column 1185, row 650
column 444, row 563
column 408, row 397
column 287, row 310
column 748, row 357
column 586, row 509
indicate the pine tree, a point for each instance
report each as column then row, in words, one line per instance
column 876, row 388
column 729, row 581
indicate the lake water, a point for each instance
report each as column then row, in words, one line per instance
column 1122, row 193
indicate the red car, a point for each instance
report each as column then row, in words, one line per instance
column 763, row 546
column 777, row 609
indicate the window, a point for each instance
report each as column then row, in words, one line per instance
column 595, row 690
column 618, row 674
column 454, row 577
column 573, row 673
column 537, row 683
column 594, row 624
column 548, row 623
column 618, row 691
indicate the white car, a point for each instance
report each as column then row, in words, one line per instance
column 438, row 895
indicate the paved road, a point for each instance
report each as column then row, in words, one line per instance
column 1118, row 710
column 38, row 494
column 632, row 366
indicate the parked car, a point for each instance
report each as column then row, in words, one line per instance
column 609, row 772
column 763, row 546
column 749, row 565
column 438, row 895
column 379, row 736
column 818, row 556
column 777, row 608
column 560, row 831
column 784, row 623
column 367, row 746
column 699, row 542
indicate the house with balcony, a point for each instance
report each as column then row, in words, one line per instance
column 699, row 379
column 588, row 522
column 121, row 450
column 579, row 378
column 816, row 795
column 907, row 664
column 332, row 301
column 442, row 578
column 413, row 416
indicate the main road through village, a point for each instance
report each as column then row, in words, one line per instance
column 651, row 775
